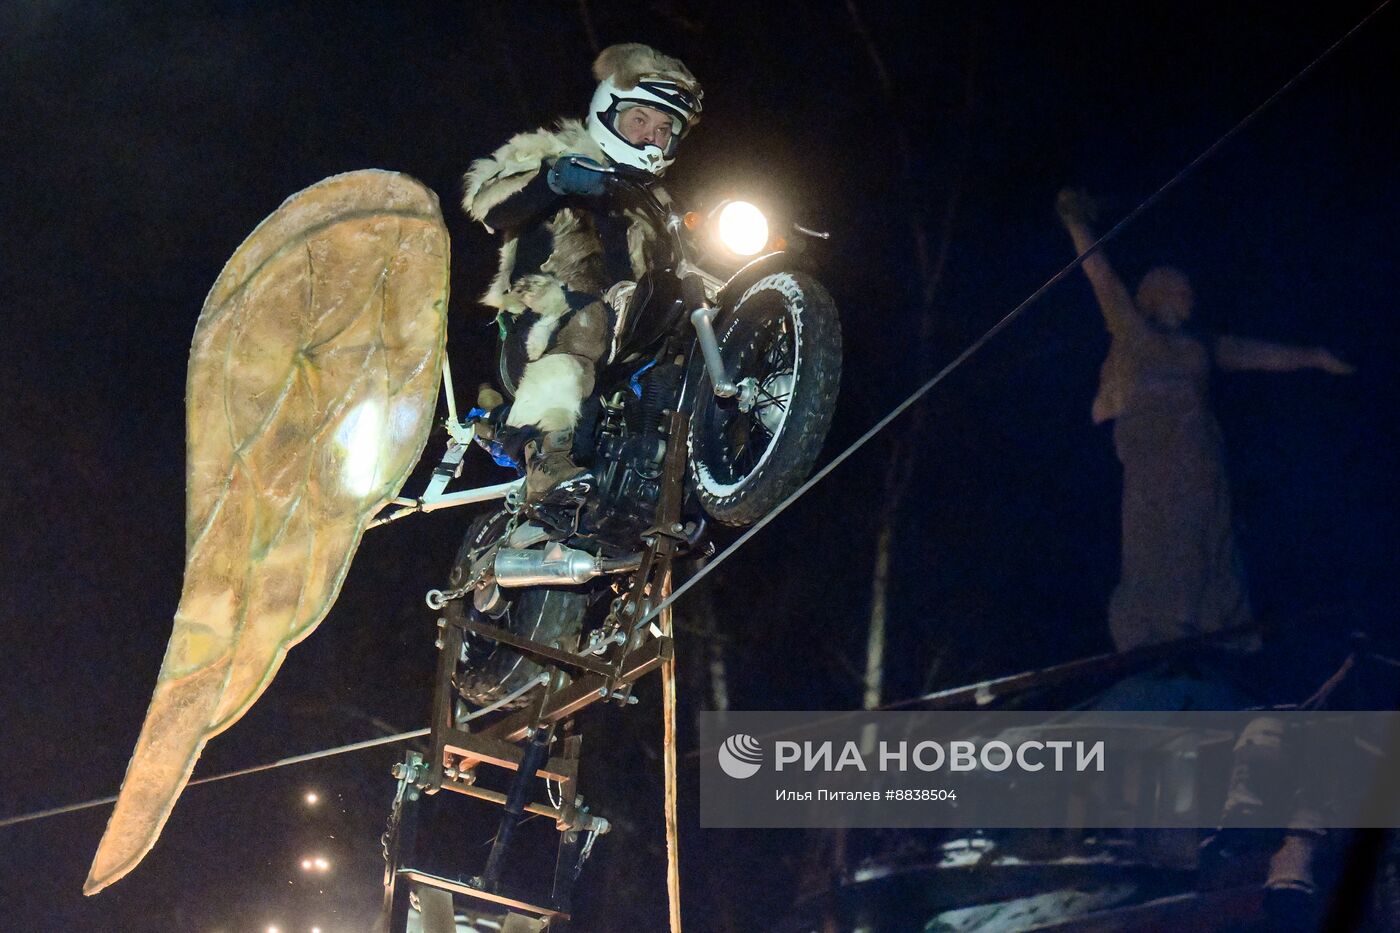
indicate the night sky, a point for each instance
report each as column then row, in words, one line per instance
column 141, row 143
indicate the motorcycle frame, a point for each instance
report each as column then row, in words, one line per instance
column 456, row 754
column 718, row 293
column 435, row 495
column 576, row 680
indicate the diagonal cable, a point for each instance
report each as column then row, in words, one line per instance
column 279, row 763
column 1010, row 316
column 838, row 460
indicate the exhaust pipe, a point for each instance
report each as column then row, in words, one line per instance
column 555, row 565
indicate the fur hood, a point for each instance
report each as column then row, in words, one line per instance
column 630, row 62
column 576, row 260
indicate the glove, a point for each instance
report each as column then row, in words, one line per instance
column 576, row 174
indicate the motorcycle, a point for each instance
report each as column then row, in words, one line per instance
column 312, row 377
column 715, row 407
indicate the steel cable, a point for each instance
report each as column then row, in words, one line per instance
column 279, row 763
column 840, row 458
column 1014, row 313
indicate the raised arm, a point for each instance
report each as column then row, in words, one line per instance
column 1241, row 353
column 1076, row 211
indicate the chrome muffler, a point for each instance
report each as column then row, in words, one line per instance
column 555, row 565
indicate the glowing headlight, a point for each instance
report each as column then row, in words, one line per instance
column 742, row 228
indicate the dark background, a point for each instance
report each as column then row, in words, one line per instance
column 141, row 143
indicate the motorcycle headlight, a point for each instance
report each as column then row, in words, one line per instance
column 742, row 228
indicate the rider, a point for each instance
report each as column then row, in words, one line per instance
column 571, row 254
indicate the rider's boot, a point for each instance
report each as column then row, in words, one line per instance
column 551, row 476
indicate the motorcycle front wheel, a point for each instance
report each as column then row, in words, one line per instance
column 781, row 342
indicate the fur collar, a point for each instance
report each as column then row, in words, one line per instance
column 490, row 181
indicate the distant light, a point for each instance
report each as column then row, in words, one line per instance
column 306, row 864
column 312, row 798
column 273, row 930
column 315, row 930
column 322, row 864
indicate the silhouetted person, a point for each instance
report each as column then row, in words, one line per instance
column 1181, row 574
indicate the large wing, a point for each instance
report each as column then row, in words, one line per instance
column 312, row 381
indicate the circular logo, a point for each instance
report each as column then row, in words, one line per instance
column 740, row 756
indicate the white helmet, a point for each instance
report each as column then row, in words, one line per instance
column 635, row 75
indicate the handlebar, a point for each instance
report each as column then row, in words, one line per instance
column 692, row 293
column 636, row 183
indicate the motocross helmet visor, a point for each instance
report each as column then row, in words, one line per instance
column 668, row 97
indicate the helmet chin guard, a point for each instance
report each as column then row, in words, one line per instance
column 680, row 103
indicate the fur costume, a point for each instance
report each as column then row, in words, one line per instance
column 560, row 347
column 561, row 332
column 576, row 261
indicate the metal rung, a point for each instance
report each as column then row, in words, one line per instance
column 461, row 887
column 531, row 647
column 498, row 798
column 583, row 692
column 477, row 747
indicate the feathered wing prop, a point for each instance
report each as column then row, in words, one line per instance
column 313, row 376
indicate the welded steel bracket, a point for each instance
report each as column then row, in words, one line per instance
column 521, row 742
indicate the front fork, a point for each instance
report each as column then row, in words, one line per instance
column 702, row 318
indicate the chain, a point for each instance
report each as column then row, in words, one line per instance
column 436, row 599
column 389, row 839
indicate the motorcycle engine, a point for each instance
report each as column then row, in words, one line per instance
column 625, row 446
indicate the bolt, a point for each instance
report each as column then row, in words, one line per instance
column 442, row 623
column 396, row 772
column 450, row 773
column 438, row 644
column 677, row 527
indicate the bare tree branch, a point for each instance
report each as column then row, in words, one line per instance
column 930, row 267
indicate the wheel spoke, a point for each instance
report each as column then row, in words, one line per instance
column 777, row 400
column 777, row 354
column 752, row 452
column 745, row 437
